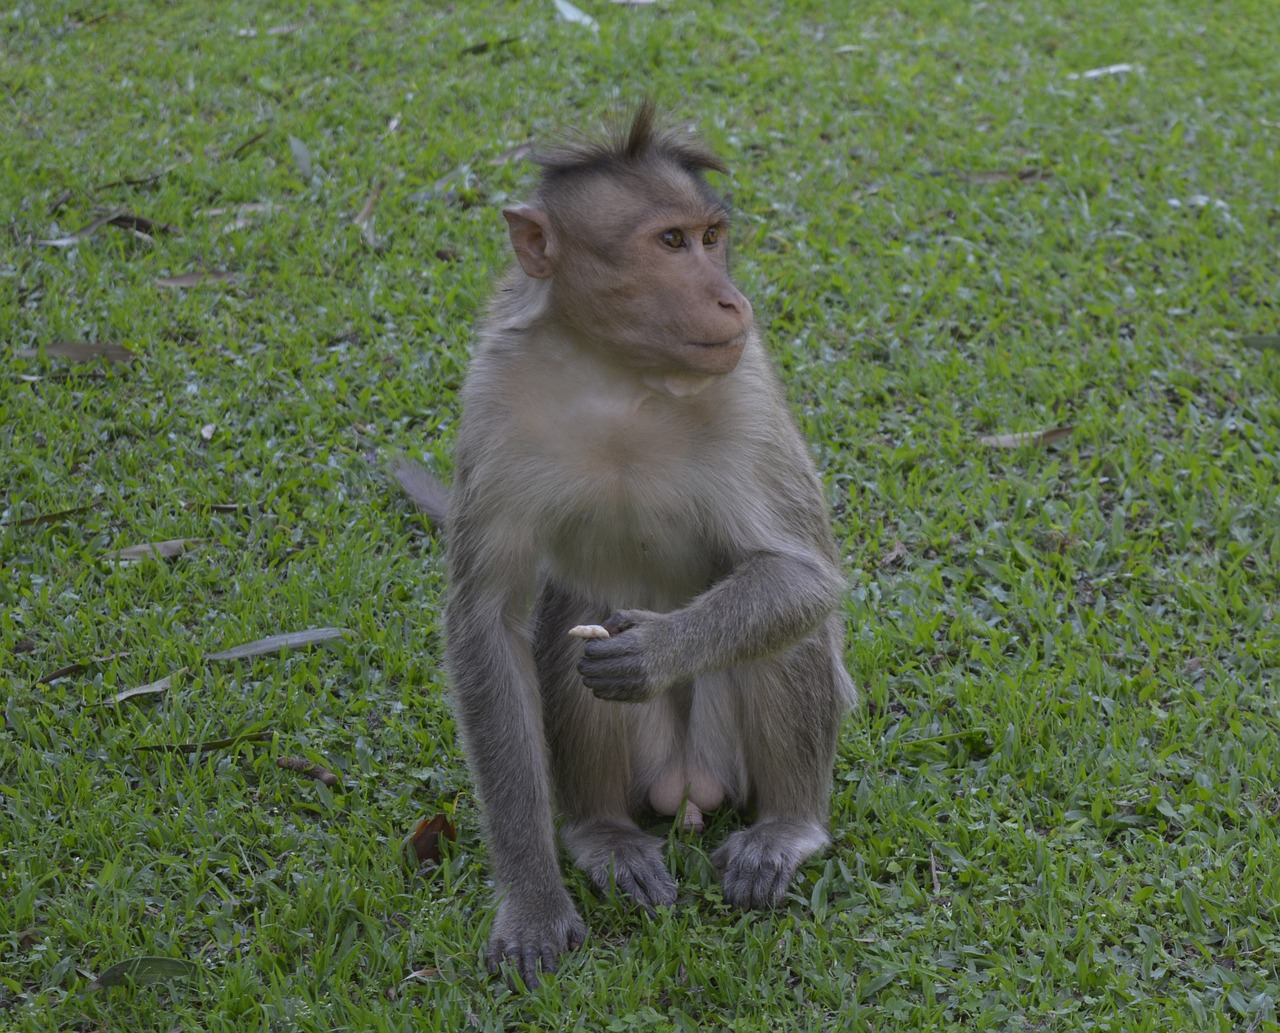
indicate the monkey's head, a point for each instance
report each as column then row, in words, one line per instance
column 636, row 246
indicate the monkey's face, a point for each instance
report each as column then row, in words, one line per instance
column 642, row 275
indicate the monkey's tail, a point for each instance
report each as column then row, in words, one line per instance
column 427, row 493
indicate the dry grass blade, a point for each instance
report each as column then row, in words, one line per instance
column 1263, row 342
column 81, row 351
column 197, row 279
column 143, row 693
column 144, row 180
column 367, row 208
column 1026, row 438
column 282, row 643
column 487, row 45
column 305, row 767
column 56, row 205
column 247, row 144
column 210, row 744
column 426, row 835
column 513, row 153
column 137, row 971
column 71, row 239
column 166, row 550
column 78, row 667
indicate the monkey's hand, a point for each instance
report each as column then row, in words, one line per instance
column 531, row 935
column 639, row 660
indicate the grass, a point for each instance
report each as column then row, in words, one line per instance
column 1057, row 809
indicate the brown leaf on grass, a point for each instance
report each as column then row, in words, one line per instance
column 53, row 518
column 426, row 835
column 894, row 557
column 247, row 144
column 137, row 971
column 282, row 643
column 24, row 645
column 515, row 153
column 71, row 239
column 1263, row 342
column 305, row 767
column 141, row 224
column 197, row 279
column 301, row 158
column 166, row 550
column 141, row 693
column 487, row 45
column 55, row 206
column 144, row 180
column 78, row 667
column 210, row 744
column 81, row 351
column 28, row 938
column 422, row 973
column 370, row 203
column 1030, row 437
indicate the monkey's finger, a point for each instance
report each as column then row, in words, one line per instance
column 616, row 623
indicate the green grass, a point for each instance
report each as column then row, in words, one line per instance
column 1057, row 809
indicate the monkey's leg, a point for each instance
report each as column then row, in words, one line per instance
column 790, row 711
column 595, row 755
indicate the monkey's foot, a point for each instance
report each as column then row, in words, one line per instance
column 757, row 864
column 622, row 856
column 530, row 935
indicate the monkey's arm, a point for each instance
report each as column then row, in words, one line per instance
column 497, row 702
column 769, row 601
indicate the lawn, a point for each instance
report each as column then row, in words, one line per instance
column 1056, row 808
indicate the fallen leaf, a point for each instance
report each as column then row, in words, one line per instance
column 247, row 144
column 1263, row 342
column 896, row 554
column 53, row 518
column 513, row 153
column 422, row 973
column 207, row 431
column 142, row 692
column 305, row 767
column 78, row 667
column 140, row 223
column 301, row 158
column 425, row 837
column 81, row 351
column 487, row 45
column 1030, row 437
column 1098, row 73
column 165, row 550
column 282, row 643
column 370, row 203
column 447, row 254
column 570, row 13
column 275, row 30
column 72, row 239
column 238, row 209
column 137, row 971
column 144, row 180
column 211, row 744
column 24, row 645
column 28, row 938
column 222, row 507
column 196, row 279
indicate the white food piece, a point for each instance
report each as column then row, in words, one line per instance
column 588, row 631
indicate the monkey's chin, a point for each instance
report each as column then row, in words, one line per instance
column 678, row 385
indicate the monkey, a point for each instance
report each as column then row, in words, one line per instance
column 627, row 467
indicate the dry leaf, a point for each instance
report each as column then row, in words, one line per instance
column 137, row 971
column 55, row 206
column 204, row 747
column 222, row 507
column 144, row 180
column 165, row 550
column 142, row 692
column 422, row 973
column 141, row 224
column 301, row 158
column 72, row 239
column 1030, row 437
column 196, row 279
column 426, row 835
column 1098, row 73
column 896, row 554
column 24, row 645
column 53, row 518
column 570, row 13
column 513, row 153
column 207, row 431
column 81, row 351
column 370, row 203
column 247, row 144
column 279, row 643
column 78, row 667
column 305, row 767
column 487, row 45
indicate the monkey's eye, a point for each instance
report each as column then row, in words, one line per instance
column 673, row 239
column 711, row 236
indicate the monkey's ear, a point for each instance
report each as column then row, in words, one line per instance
column 532, row 240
